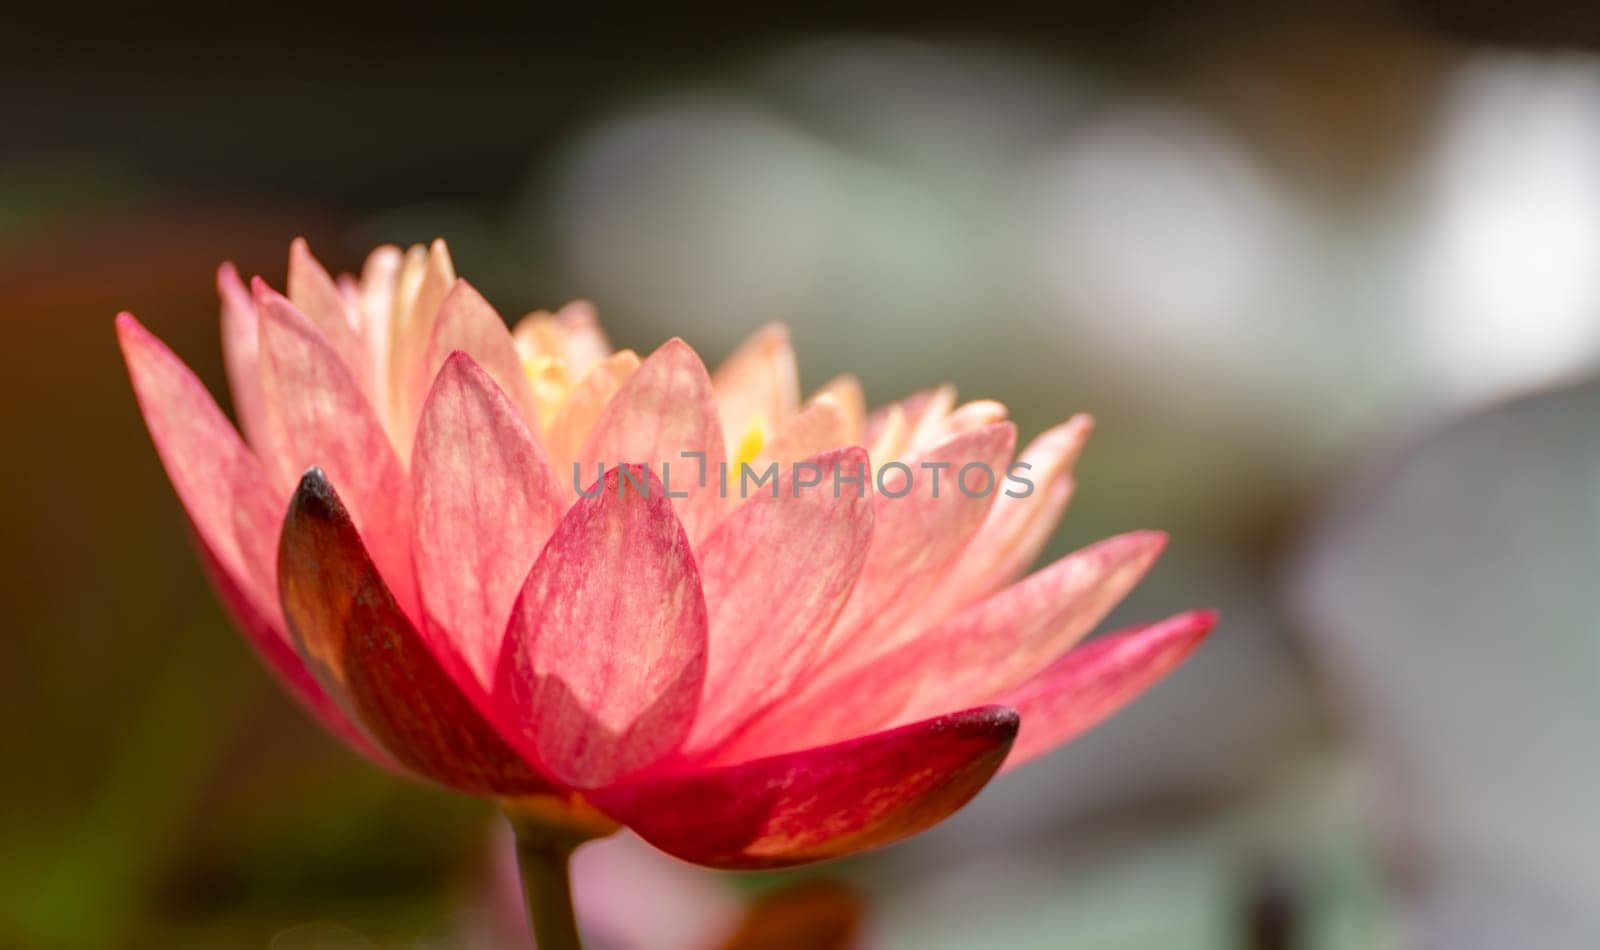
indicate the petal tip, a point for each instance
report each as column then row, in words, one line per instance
column 314, row 492
column 1196, row 625
column 1000, row 722
column 228, row 276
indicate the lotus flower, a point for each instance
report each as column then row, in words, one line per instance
column 747, row 679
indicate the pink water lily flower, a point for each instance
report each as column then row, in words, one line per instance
column 747, row 679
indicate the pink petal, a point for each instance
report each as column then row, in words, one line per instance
column 845, row 391
column 422, row 708
column 1017, row 528
column 1000, row 642
column 925, row 412
column 917, row 538
column 1087, row 685
column 486, row 502
column 320, row 418
column 818, row 803
column 411, row 334
column 967, row 660
column 469, row 324
column 581, row 410
column 907, row 426
column 886, row 436
column 776, row 574
column 965, row 418
column 606, row 650
column 818, row 427
column 318, row 297
column 229, row 499
column 664, row 417
column 232, row 508
column 571, row 335
column 241, row 349
column 380, row 275
column 758, row 384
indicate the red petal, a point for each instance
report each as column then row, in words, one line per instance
column 424, row 710
column 776, row 574
column 320, row 418
column 663, row 416
column 232, row 504
column 486, row 502
column 819, row 803
column 232, row 510
column 606, row 651
column 1090, row 683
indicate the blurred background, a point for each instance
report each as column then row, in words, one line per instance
column 1328, row 276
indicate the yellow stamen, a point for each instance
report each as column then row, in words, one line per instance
column 750, row 446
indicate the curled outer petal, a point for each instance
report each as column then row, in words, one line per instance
column 818, row 803
column 427, row 711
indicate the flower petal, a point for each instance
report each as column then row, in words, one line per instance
column 665, row 417
column 380, row 276
column 232, row 508
column 1090, row 683
column 820, row 426
column 582, row 408
column 421, row 707
column 776, row 574
column 906, row 426
column 758, row 384
column 999, row 642
column 918, row 535
column 1021, row 521
column 468, row 323
column 318, row 297
column 818, row 803
column 241, row 355
column 320, row 418
column 605, row 654
column 425, row 279
column 969, row 659
column 229, row 499
column 571, row 335
column 845, row 391
column 486, row 502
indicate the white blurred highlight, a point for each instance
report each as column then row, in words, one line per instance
column 1509, row 270
column 1155, row 229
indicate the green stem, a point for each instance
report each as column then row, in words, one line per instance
column 545, row 862
column 549, row 828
